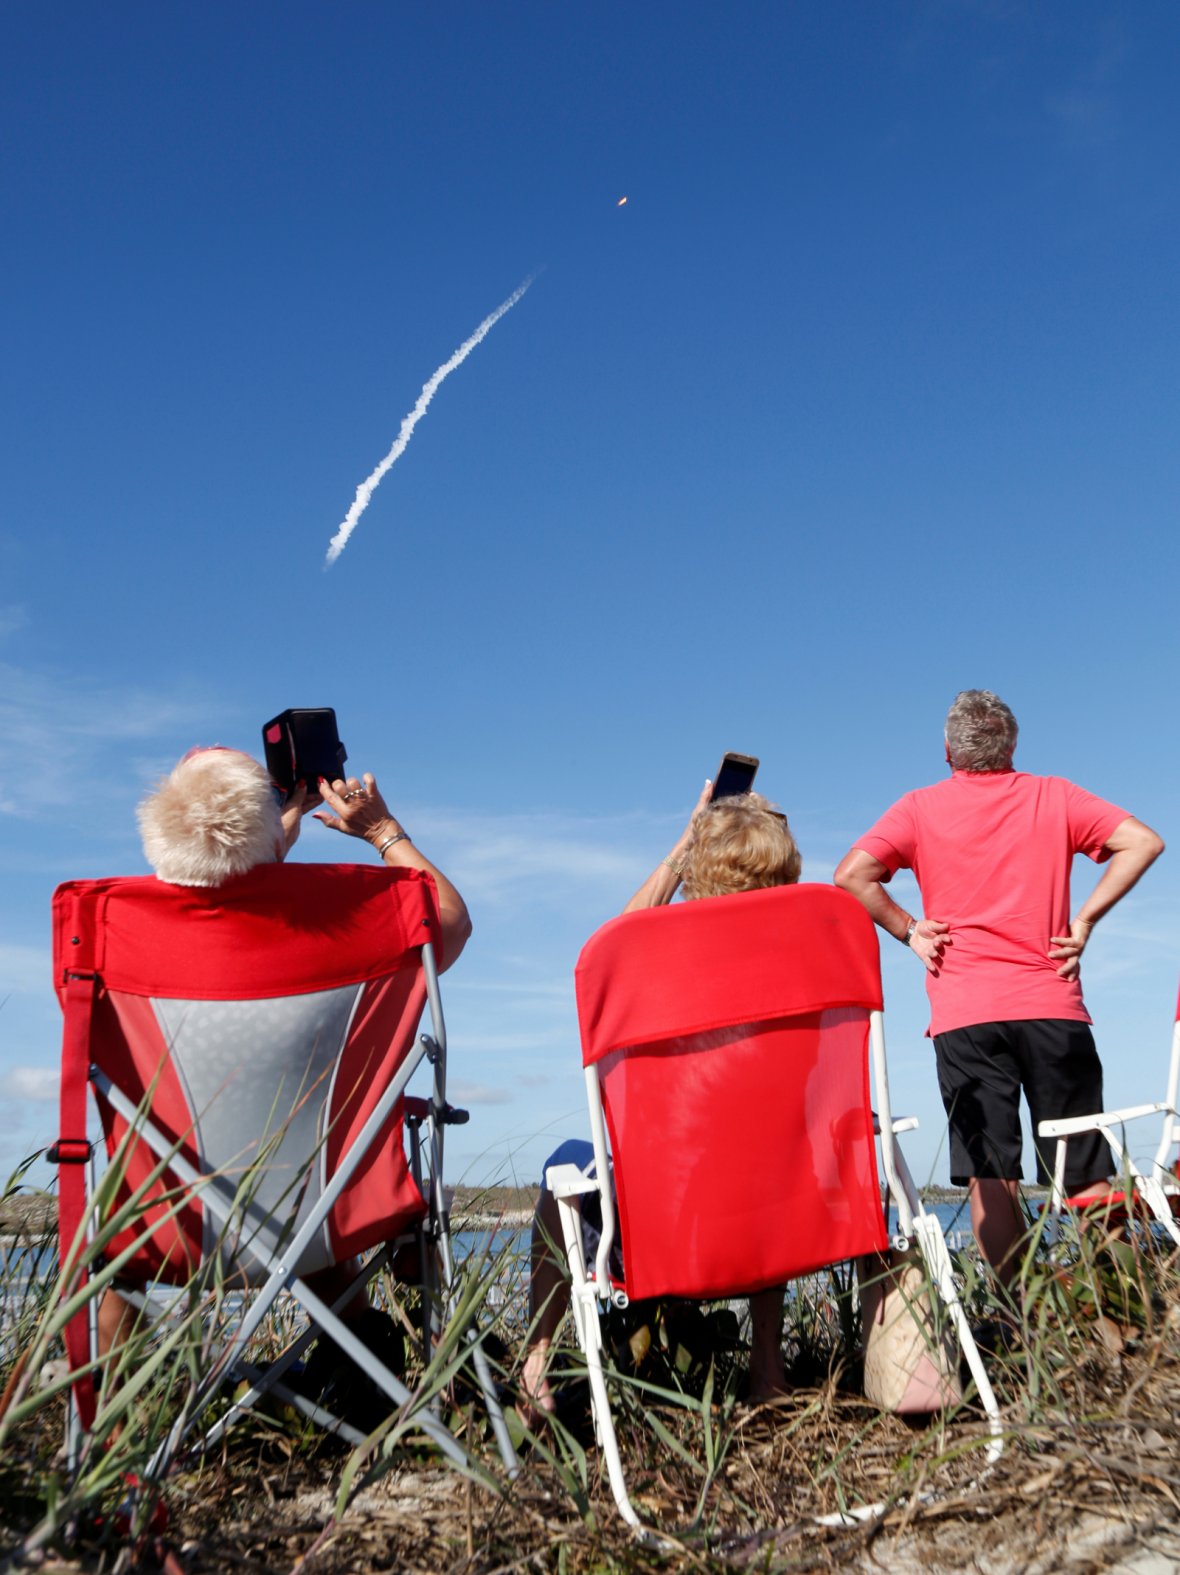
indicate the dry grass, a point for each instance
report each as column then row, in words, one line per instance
column 1090, row 1391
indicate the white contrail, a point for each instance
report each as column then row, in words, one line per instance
column 367, row 487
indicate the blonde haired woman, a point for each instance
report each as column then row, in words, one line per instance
column 729, row 845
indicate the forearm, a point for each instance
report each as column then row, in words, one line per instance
column 359, row 810
column 659, row 888
column 664, row 881
column 863, row 877
column 453, row 919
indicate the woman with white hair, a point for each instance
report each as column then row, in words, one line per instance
column 216, row 817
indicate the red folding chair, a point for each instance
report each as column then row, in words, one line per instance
column 248, row 1048
column 726, row 1045
column 1152, row 1194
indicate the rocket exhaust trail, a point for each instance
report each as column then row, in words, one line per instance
column 370, row 484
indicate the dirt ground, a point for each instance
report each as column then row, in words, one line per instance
column 1100, row 1494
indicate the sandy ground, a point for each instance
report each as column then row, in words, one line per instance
column 427, row 1519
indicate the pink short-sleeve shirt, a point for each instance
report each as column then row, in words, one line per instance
column 992, row 853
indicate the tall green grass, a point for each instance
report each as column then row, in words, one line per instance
column 149, row 1379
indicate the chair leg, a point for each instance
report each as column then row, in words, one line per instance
column 932, row 1246
column 604, row 1424
column 1157, row 1201
column 479, row 1358
column 588, row 1328
column 495, row 1410
column 328, row 1323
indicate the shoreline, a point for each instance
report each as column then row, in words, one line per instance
column 32, row 1214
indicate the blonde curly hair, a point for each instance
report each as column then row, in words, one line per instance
column 740, row 844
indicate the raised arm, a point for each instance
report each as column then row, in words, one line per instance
column 661, row 885
column 357, row 809
column 863, row 876
column 1133, row 848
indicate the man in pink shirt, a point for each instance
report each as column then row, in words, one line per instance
column 992, row 849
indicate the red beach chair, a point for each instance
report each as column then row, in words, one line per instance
column 726, row 1045
column 249, row 1048
column 1155, row 1192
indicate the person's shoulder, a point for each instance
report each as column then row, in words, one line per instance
column 904, row 809
column 1054, row 784
column 932, row 790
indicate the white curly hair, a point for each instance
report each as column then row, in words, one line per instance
column 214, row 816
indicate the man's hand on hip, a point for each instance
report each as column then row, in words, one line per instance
column 1070, row 947
column 930, row 939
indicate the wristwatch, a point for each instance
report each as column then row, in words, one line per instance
column 909, row 932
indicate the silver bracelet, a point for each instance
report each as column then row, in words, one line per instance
column 398, row 836
column 677, row 869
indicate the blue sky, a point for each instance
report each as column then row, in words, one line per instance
column 867, row 395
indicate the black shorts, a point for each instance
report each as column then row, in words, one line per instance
column 981, row 1071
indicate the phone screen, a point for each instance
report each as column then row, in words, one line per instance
column 735, row 775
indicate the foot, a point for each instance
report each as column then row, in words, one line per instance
column 537, row 1400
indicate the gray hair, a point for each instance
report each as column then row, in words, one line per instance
column 980, row 732
column 214, row 817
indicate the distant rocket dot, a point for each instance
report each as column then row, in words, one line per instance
column 622, row 202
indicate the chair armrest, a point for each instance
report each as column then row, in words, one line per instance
column 418, row 1109
column 900, row 1124
column 567, row 1181
column 1068, row 1125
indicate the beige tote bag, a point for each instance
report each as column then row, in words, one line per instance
column 910, row 1367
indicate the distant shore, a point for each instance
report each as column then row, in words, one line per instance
column 34, row 1213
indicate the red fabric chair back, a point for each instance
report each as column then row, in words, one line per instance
column 280, row 1003
column 731, row 1040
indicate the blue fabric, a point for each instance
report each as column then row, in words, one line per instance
column 580, row 1152
column 574, row 1151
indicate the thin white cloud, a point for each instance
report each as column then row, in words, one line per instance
column 493, row 854
column 24, row 970
column 518, row 989
column 463, row 1093
column 62, row 730
column 509, row 1042
column 39, row 1083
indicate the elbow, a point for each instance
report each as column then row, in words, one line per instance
column 462, row 932
column 843, row 874
column 1148, row 846
column 456, row 932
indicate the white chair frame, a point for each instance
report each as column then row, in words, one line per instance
column 590, row 1297
column 1157, row 1186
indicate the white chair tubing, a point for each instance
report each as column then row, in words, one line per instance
column 1150, row 1188
column 926, row 1229
column 587, row 1300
